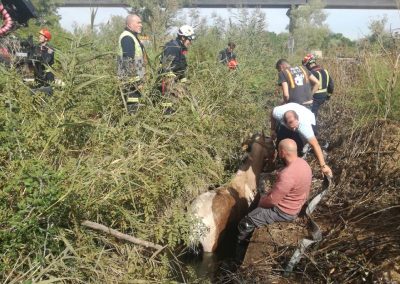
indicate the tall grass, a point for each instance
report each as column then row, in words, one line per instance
column 77, row 155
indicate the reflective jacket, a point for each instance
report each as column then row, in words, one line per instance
column 131, row 61
column 325, row 81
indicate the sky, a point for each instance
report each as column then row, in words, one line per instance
column 351, row 23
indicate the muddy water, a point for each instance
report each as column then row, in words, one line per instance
column 211, row 267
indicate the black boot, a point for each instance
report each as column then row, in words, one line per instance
column 246, row 228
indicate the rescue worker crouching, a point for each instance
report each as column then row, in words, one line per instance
column 131, row 62
column 44, row 59
column 174, row 65
column 228, row 57
column 325, row 82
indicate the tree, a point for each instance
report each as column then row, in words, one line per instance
column 47, row 13
column 158, row 17
column 308, row 25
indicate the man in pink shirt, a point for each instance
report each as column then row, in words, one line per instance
column 287, row 196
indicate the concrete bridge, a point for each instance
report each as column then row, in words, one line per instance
column 331, row 4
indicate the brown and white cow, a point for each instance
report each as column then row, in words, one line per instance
column 215, row 210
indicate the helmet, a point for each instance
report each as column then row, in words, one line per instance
column 232, row 64
column 186, row 31
column 308, row 59
column 45, row 33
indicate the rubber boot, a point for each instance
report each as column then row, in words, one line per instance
column 246, row 228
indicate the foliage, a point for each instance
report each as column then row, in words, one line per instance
column 77, row 155
column 307, row 25
column 158, row 17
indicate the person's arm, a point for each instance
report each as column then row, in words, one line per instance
column 128, row 47
column 176, row 60
column 221, row 57
column 315, row 83
column 285, row 92
column 320, row 157
column 282, row 82
column 47, row 54
column 330, row 86
column 278, row 192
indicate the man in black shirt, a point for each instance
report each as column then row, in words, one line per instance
column 297, row 83
column 228, row 57
column 174, row 64
column 43, row 75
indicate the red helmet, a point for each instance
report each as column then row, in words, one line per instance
column 308, row 59
column 45, row 33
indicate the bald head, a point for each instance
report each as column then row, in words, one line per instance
column 289, row 145
column 134, row 23
column 291, row 119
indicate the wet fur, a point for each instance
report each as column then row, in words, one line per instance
column 225, row 206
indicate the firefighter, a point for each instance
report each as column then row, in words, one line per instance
column 43, row 60
column 131, row 62
column 228, row 57
column 297, row 83
column 174, row 64
column 325, row 82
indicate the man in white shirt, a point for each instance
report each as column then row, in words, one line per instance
column 296, row 122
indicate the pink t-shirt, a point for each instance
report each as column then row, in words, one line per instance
column 291, row 189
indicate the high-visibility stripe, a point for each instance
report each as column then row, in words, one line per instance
column 305, row 73
column 170, row 74
column 139, row 58
column 290, row 77
column 132, row 100
column 327, row 78
column 321, row 89
column 138, row 48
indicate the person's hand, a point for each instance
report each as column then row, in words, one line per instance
column 326, row 170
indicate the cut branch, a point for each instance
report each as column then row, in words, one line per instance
column 119, row 235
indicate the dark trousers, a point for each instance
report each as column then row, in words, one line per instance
column 260, row 217
column 284, row 133
column 318, row 101
column 132, row 95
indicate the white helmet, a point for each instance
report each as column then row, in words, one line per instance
column 186, row 31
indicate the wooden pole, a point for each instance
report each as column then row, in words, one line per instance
column 119, row 235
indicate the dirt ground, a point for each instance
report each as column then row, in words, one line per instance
column 359, row 217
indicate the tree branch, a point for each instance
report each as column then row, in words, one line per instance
column 119, row 235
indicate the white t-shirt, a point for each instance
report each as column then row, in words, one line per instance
column 306, row 118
